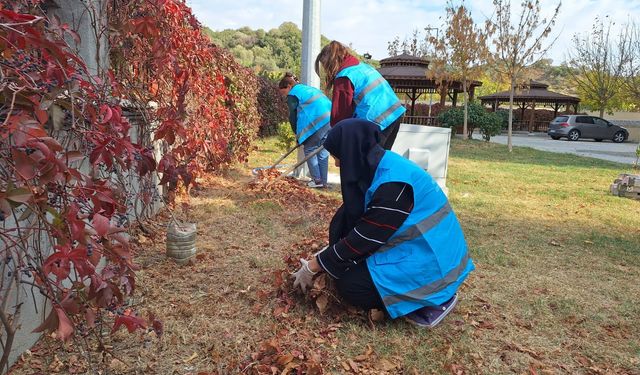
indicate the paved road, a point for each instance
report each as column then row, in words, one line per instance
column 607, row 150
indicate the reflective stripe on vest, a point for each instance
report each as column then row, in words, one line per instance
column 313, row 111
column 424, row 291
column 417, row 229
column 311, row 126
column 367, row 89
column 374, row 98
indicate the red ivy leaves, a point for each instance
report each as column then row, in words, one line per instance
column 131, row 322
column 44, row 178
column 208, row 119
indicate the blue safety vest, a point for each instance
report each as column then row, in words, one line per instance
column 314, row 110
column 373, row 96
column 426, row 259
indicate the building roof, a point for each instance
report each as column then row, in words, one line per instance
column 404, row 69
column 529, row 92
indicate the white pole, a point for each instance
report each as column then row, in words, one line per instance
column 310, row 42
column 310, row 49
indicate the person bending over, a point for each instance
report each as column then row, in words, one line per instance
column 397, row 245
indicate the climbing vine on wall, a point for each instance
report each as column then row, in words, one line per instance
column 66, row 147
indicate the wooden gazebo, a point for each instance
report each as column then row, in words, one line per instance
column 530, row 95
column 407, row 74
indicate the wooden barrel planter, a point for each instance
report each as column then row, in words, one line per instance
column 181, row 242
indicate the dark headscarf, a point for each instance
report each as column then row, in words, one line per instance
column 355, row 142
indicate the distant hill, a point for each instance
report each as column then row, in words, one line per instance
column 277, row 50
column 269, row 53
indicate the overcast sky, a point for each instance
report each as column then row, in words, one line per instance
column 369, row 24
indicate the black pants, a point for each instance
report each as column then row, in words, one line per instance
column 356, row 287
column 389, row 134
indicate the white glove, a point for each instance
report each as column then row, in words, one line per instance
column 303, row 276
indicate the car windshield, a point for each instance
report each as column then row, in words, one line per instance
column 561, row 119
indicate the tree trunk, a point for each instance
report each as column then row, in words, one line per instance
column 510, row 128
column 466, row 110
column 601, row 112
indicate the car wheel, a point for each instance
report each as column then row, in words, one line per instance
column 573, row 135
column 555, row 138
column 598, row 139
column 618, row 137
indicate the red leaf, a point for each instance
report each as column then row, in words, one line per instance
column 131, row 322
column 105, row 113
column 53, row 144
column 58, row 263
column 59, row 321
column 90, row 317
column 41, row 115
column 25, row 166
column 17, row 17
column 76, row 225
column 100, row 224
column 73, row 156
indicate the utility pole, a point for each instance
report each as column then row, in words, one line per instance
column 310, row 42
column 310, row 49
column 428, row 29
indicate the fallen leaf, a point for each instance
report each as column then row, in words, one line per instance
column 193, row 356
column 353, row 365
column 456, row 369
column 376, row 315
column 320, row 282
column 284, row 359
column 450, row 352
column 386, row 365
column 56, row 365
column 345, row 366
column 322, row 302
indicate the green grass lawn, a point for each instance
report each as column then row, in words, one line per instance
column 558, row 258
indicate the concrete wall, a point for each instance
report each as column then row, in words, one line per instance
column 88, row 18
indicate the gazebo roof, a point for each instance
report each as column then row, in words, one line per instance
column 404, row 67
column 408, row 70
column 532, row 91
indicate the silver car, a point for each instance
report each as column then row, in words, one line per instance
column 574, row 127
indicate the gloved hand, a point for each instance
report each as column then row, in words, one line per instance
column 303, row 276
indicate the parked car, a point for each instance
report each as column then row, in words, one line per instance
column 574, row 127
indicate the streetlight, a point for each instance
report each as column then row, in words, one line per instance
column 428, row 29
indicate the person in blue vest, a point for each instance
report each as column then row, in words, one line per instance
column 359, row 91
column 309, row 112
column 406, row 252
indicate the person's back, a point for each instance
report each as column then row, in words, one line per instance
column 309, row 112
column 426, row 259
column 359, row 91
column 395, row 243
column 373, row 96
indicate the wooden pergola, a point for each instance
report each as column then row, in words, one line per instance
column 530, row 95
column 407, row 75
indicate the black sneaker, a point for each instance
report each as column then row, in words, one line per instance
column 430, row 316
